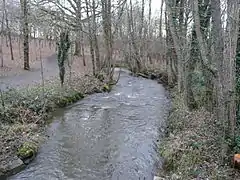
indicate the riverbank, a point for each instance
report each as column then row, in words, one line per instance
column 24, row 114
column 105, row 136
column 194, row 147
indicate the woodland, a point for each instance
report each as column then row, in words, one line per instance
column 192, row 46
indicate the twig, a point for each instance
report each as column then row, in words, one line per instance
column 3, row 104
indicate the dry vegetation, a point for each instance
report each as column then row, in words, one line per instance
column 195, row 147
column 27, row 111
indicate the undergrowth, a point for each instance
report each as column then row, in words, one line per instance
column 25, row 112
column 33, row 105
column 194, row 147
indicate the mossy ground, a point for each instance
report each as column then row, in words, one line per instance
column 27, row 150
column 107, row 88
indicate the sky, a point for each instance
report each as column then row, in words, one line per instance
column 156, row 5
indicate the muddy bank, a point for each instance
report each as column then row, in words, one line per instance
column 24, row 114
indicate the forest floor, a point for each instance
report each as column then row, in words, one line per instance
column 22, row 78
column 42, row 52
column 27, row 105
column 37, row 49
column 195, row 147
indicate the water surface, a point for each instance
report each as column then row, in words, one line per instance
column 109, row 136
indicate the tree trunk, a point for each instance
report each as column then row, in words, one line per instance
column 190, row 66
column 201, row 42
column 132, row 39
column 149, row 33
column 141, row 39
column 97, row 53
column 83, row 49
column 90, row 38
column 162, row 51
column 230, row 60
column 107, row 28
column 2, row 34
column 194, row 53
column 77, row 51
column 238, row 73
column 218, row 46
column 9, row 33
column 177, row 47
column 170, row 55
column 24, row 7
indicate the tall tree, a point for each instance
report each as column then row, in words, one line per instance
column 78, row 12
column 90, row 37
column 25, row 28
column 177, row 44
column 218, row 46
column 200, row 26
column 95, row 39
column 108, row 36
column 232, row 30
column 63, row 47
column 2, row 32
column 8, row 32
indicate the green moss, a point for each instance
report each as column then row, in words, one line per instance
column 106, row 88
column 68, row 99
column 27, row 150
column 75, row 97
column 79, row 96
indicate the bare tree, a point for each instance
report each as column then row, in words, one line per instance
column 2, row 32
column 90, row 35
column 232, row 30
column 8, row 32
column 108, row 36
column 24, row 7
column 97, row 53
column 218, row 45
column 177, row 45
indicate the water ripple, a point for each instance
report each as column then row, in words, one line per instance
column 109, row 136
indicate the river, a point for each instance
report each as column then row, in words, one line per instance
column 106, row 136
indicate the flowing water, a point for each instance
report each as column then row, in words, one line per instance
column 109, row 136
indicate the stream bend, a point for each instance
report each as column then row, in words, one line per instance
column 109, row 136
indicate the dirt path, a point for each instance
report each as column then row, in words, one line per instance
column 29, row 78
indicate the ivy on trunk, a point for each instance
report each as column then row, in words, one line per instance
column 63, row 47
